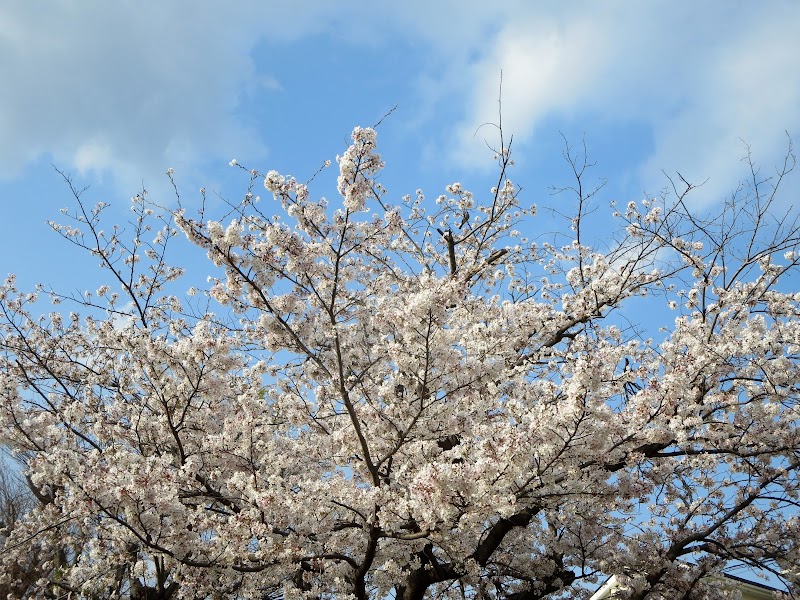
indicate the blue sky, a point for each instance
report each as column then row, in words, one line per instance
column 115, row 93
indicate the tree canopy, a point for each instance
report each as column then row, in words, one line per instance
column 380, row 397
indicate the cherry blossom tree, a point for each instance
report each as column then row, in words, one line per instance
column 411, row 398
column 16, row 499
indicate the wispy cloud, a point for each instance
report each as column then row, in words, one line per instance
column 699, row 77
column 128, row 89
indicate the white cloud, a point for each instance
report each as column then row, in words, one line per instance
column 546, row 66
column 130, row 88
column 748, row 91
column 700, row 76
